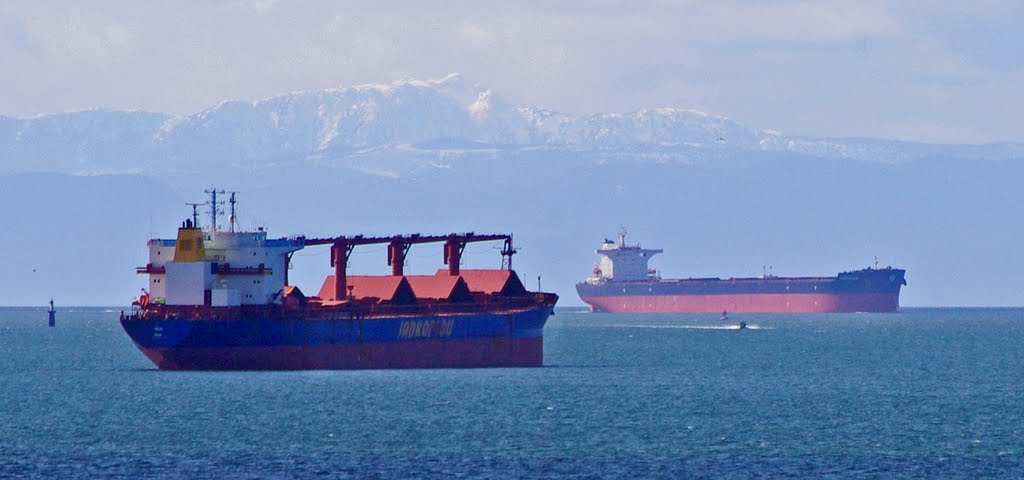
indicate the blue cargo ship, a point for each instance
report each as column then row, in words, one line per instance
column 221, row 300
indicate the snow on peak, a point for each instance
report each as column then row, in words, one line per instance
column 481, row 106
column 453, row 78
column 333, row 123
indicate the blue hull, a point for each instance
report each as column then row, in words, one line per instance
column 488, row 339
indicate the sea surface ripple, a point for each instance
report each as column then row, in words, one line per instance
column 930, row 393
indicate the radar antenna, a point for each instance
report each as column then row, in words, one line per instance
column 195, row 212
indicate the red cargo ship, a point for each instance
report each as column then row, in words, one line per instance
column 622, row 282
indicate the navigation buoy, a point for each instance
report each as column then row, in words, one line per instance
column 53, row 315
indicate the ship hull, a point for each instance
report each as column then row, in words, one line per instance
column 747, row 303
column 424, row 354
column 869, row 290
column 462, row 340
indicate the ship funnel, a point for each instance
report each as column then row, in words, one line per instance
column 189, row 247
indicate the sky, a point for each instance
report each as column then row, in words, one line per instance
column 938, row 71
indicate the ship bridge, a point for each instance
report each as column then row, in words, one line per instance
column 210, row 266
column 621, row 262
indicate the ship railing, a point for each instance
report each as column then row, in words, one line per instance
column 347, row 310
column 227, row 269
column 150, row 268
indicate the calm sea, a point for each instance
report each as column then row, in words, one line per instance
column 922, row 393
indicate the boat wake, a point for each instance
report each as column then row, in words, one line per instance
column 695, row 327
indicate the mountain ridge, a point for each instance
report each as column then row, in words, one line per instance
column 343, row 126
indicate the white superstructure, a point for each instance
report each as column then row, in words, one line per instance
column 620, row 262
column 207, row 266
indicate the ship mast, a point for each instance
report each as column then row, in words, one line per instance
column 232, row 219
column 506, row 255
column 214, row 208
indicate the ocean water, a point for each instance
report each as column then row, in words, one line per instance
column 923, row 393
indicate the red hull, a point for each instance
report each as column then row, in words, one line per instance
column 491, row 352
column 748, row 303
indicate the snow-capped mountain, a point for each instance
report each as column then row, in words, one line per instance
column 412, row 120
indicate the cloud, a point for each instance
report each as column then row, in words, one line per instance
column 814, row 22
column 751, row 60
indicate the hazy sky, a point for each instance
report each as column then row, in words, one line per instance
column 932, row 71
